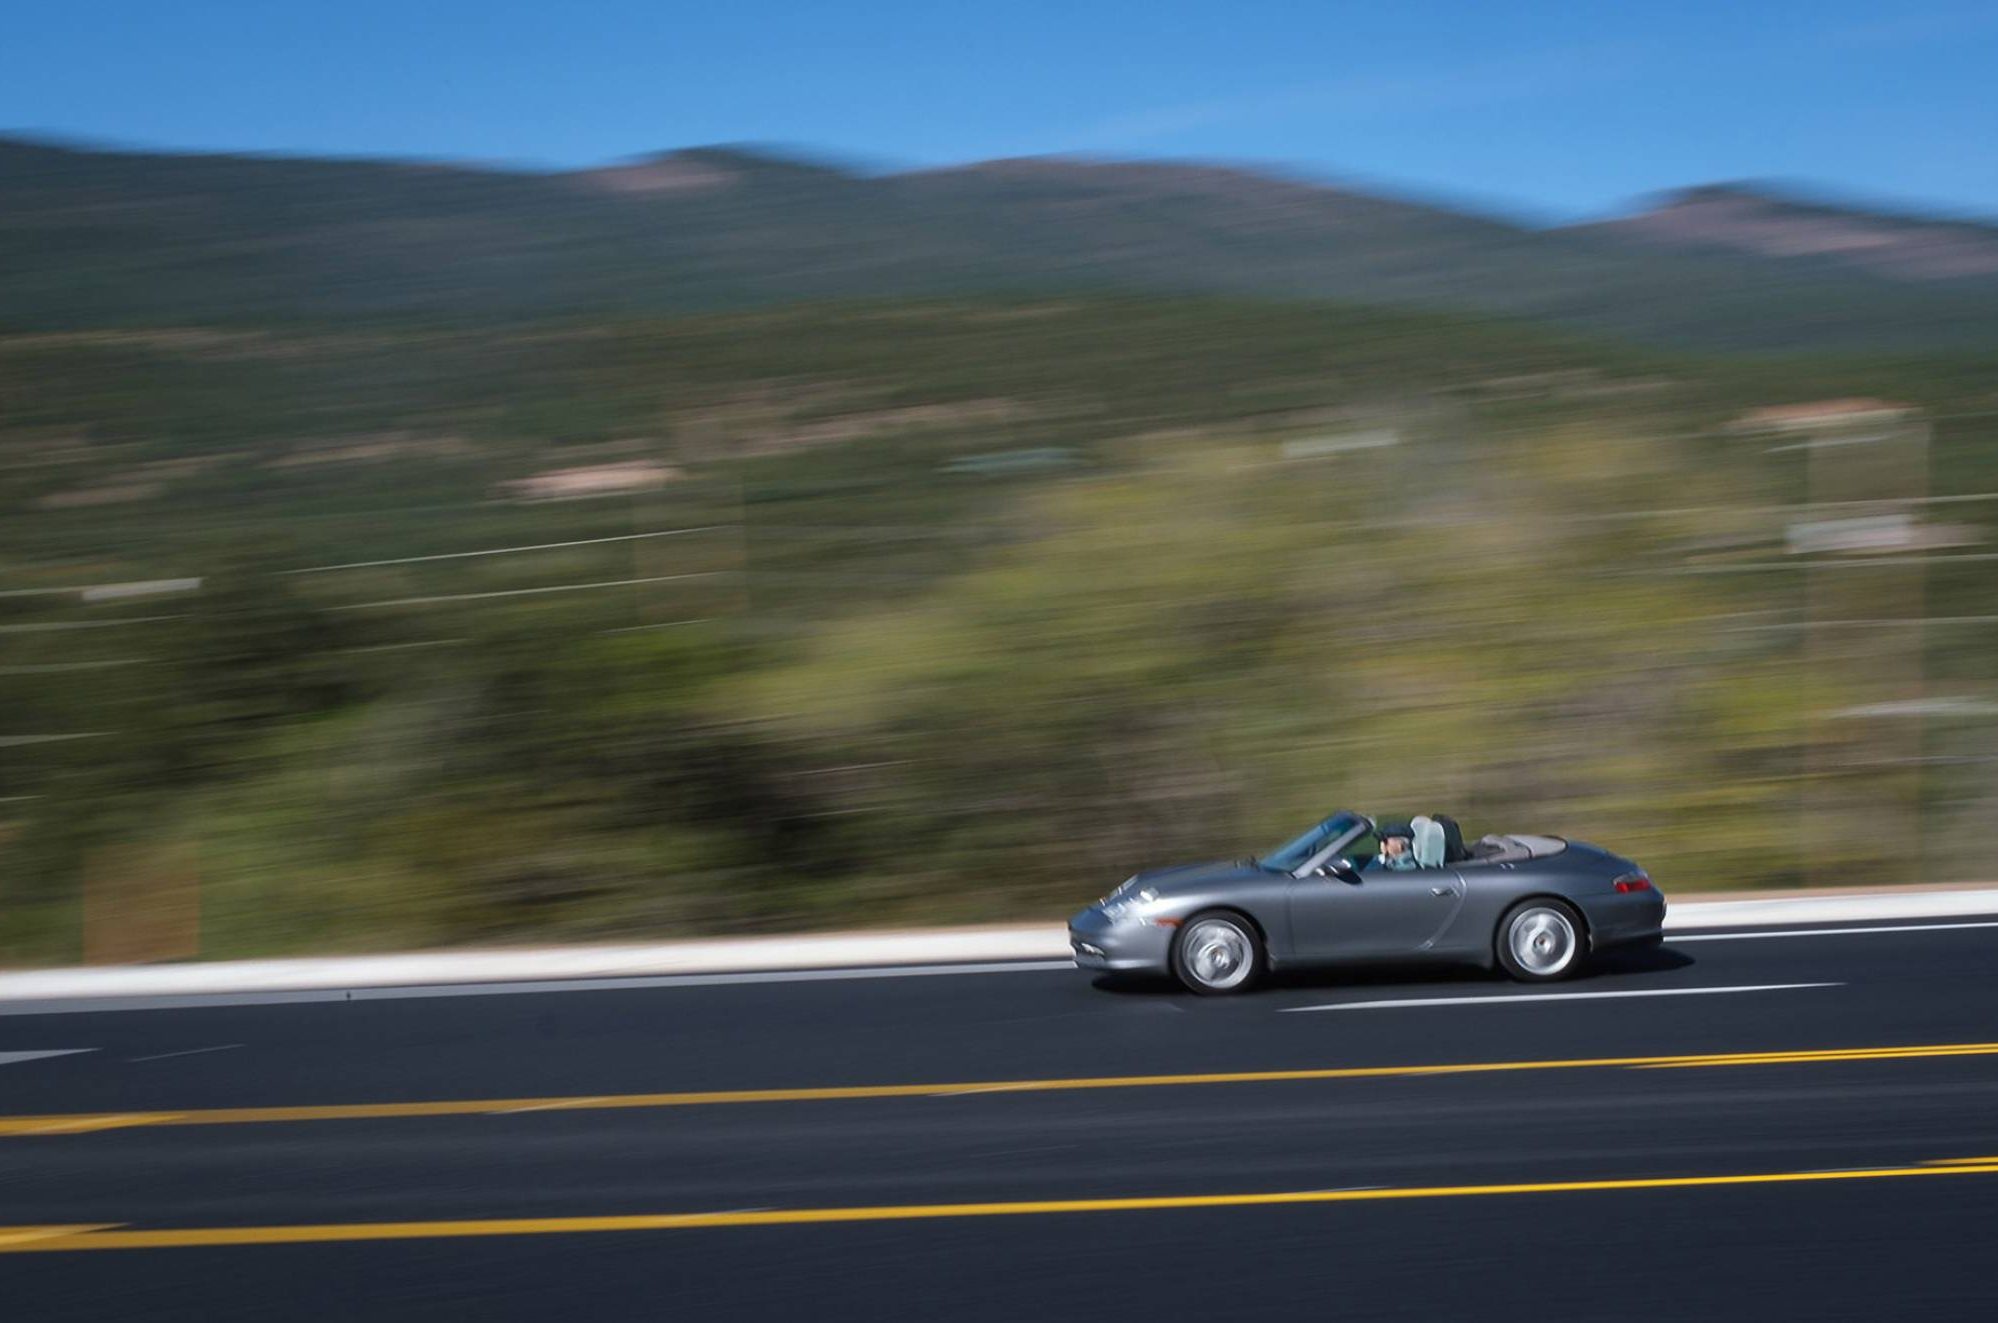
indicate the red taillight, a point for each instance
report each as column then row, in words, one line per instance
column 1634, row 882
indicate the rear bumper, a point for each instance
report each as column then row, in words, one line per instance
column 1624, row 920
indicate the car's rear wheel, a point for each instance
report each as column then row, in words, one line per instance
column 1540, row 940
column 1217, row 953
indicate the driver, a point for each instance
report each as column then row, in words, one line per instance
column 1396, row 853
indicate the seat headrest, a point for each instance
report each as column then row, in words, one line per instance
column 1428, row 842
column 1453, row 840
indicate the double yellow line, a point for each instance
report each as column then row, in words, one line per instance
column 113, row 1236
column 76, row 1123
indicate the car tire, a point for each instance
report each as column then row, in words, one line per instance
column 1217, row 953
column 1539, row 941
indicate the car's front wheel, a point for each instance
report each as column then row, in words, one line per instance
column 1540, row 941
column 1217, row 953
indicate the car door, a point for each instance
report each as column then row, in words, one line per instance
column 1375, row 913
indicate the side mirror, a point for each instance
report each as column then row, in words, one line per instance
column 1340, row 868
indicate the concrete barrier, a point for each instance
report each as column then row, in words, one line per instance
column 916, row 951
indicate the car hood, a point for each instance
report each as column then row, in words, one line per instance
column 1199, row 877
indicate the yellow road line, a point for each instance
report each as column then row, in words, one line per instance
column 49, row 1239
column 23, row 1235
column 80, row 1124
column 1857, row 1054
column 83, row 1122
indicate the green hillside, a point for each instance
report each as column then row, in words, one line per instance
column 939, row 610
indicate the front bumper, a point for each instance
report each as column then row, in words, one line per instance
column 1127, row 947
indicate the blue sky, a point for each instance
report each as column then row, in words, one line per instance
column 1551, row 110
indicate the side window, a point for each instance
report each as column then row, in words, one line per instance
column 1363, row 849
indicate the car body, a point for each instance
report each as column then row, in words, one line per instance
column 1535, row 906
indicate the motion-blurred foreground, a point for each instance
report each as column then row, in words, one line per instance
column 344, row 624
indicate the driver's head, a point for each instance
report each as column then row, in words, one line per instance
column 1393, row 845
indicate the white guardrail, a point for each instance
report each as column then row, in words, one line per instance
column 816, row 951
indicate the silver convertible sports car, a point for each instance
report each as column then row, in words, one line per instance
column 1351, row 890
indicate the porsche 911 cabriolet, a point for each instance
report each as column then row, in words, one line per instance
column 1351, row 889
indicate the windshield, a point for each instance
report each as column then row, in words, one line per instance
column 1289, row 856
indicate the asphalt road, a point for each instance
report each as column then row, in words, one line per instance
column 840, row 1148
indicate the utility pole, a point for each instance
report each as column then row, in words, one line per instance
column 1864, row 589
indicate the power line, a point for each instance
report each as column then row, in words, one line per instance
column 49, row 626
column 50, row 668
column 1885, row 623
column 14, row 741
column 502, row 551
column 1846, row 563
column 522, row 592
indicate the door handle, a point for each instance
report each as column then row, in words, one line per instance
column 1441, row 891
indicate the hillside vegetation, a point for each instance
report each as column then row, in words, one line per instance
column 938, row 610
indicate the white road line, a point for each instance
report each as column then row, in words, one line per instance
column 76, row 992
column 1675, row 939
column 280, row 997
column 712, row 980
column 1503, row 999
column 16, row 1058
column 186, row 1052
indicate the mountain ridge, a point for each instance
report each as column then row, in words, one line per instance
column 1787, row 223
column 96, row 237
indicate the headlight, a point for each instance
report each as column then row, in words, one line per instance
column 1124, row 904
